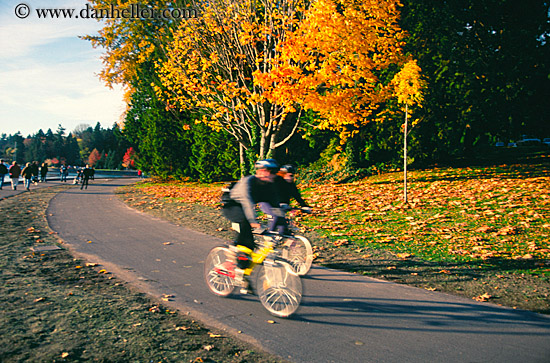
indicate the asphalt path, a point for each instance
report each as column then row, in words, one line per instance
column 343, row 318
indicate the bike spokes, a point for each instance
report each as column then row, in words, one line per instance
column 279, row 289
column 219, row 271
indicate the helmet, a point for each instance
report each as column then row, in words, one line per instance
column 270, row 164
column 288, row 169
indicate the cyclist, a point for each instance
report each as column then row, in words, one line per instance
column 248, row 192
column 287, row 188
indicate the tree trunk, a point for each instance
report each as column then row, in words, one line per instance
column 241, row 160
column 405, row 155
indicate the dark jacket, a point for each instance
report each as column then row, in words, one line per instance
column 3, row 169
column 44, row 170
column 27, row 172
column 288, row 191
column 15, row 171
column 250, row 191
column 87, row 173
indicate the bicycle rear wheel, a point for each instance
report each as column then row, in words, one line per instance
column 298, row 252
column 279, row 288
column 219, row 271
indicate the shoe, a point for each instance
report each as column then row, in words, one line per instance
column 246, row 287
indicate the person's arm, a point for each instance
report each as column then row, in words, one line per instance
column 296, row 195
column 242, row 193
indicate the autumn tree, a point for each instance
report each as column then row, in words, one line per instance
column 334, row 62
column 129, row 42
column 129, row 158
column 408, row 88
column 211, row 64
column 94, row 157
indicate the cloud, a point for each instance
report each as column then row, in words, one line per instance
column 18, row 37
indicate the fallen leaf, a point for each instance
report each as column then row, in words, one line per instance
column 482, row 298
column 340, row 242
column 212, row 335
column 484, row 229
column 64, row 355
column 271, row 321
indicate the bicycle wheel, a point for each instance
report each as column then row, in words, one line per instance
column 279, row 288
column 219, row 271
column 298, row 252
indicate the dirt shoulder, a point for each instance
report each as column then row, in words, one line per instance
column 57, row 308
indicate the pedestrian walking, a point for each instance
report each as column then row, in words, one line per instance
column 86, row 174
column 34, row 171
column 63, row 172
column 27, row 173
column 43, row 172
column 15, row 172
column 3, row 172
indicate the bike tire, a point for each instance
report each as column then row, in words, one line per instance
column 298, row 252
column 279, row 288
column 219, row 271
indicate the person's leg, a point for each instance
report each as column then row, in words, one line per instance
column 277, row 221
column 245, row 237
column 14, row 182
column 2, row 180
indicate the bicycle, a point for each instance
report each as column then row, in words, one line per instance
column 278, row 286
column 296, row 249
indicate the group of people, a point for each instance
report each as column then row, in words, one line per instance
column 271, row 188
column 30, row 173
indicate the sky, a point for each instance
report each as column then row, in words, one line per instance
column 48, row 76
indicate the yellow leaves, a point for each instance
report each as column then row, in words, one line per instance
column 338, row 48
column 408, row 84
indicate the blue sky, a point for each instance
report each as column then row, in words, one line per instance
column 48, row 76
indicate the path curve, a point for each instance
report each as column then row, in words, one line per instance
column 343, row 318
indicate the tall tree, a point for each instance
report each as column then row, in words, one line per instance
column 210, row 69
column 334, row 61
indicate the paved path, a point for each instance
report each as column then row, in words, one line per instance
column 343, row 318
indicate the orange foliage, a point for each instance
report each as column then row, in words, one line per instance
column 331, row 63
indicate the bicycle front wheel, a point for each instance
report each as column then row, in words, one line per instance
column 298, row 252
column 279, row 288
column 219, row 271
